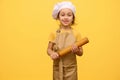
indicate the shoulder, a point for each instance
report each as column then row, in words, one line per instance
column 52, row 36
column 77, row 34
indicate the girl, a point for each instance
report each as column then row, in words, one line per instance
column 65, row 67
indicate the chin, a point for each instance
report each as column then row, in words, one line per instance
column 66, row 24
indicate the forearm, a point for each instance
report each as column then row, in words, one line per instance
column 49, row 51
column 50, row 48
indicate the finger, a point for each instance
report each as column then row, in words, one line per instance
column 73, row 47
column 57, row 54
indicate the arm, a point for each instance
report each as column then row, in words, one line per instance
column 54, row 55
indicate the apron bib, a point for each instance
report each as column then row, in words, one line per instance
column 65, row 68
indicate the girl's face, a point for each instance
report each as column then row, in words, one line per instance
column 66, row 17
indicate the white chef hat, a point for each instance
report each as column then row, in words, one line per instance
column 62, row 5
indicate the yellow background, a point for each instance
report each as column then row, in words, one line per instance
column 24, row 29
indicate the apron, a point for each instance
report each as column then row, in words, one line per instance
column 65, row 68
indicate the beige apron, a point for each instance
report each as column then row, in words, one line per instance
column 65, row 68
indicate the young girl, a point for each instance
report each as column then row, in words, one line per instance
column 65, row 67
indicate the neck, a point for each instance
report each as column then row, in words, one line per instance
column 65, row 27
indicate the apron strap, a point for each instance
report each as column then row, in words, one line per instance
column 61, row 69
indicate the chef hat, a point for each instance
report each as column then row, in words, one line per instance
column 62, row 5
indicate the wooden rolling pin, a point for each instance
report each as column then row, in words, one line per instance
column 68, row 49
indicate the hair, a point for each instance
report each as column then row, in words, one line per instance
column 73, row 22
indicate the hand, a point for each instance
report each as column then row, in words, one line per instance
column 75, row 48
column 54, row 55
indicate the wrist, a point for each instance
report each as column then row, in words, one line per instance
column 50, row 52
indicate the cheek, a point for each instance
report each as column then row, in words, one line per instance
column 71, row 19
column 61, row 18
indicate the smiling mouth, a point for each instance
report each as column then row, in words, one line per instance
column 65, row 21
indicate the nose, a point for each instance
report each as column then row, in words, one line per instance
column 66, row 17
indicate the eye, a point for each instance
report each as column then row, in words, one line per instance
column 62, row 14
column 69, row 14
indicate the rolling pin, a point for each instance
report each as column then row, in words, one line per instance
column 66, row 50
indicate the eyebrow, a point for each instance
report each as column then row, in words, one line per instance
column 67, row 13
